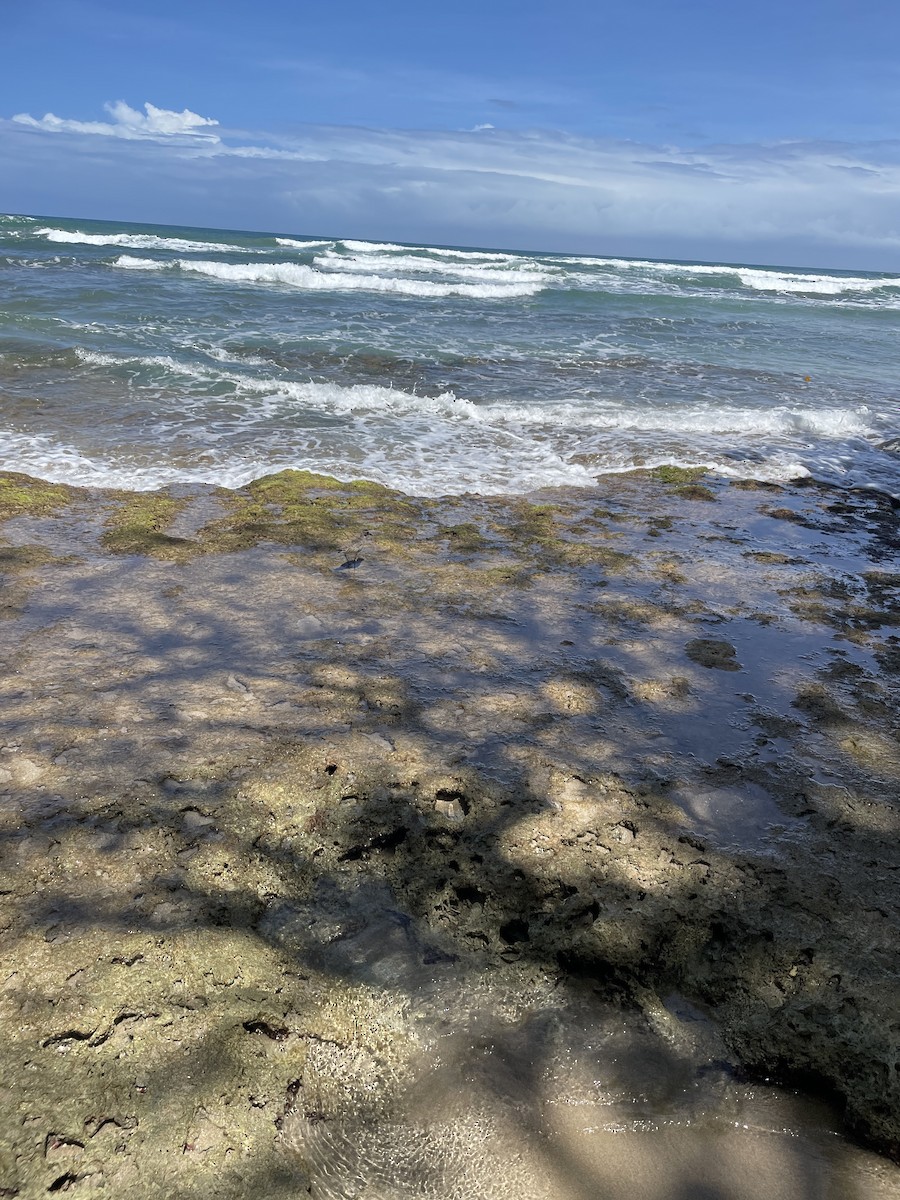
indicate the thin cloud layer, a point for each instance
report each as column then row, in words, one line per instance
column 791, row 202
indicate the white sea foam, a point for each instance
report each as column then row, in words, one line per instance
column 826, row 285
column 762, row 278
column 487, row 255
column 473, row 255
column 384, row 256
column 434, row 462
column 307, row 278
column 783, row 421
column 441, row 252
column 59, row 462
column 298, row 245
column 449, row 445
column 330, row 397
column 365, row 247
column 129, row 263
column 139, row 241
column 643, row 264
column 700, row 421
column 37, row 264
column 164, row 362
column 224, row 355
column 757, row 278
column 428, row 469
column 415, row 263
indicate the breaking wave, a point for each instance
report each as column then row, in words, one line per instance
column 763, row 279
column 139, row 241
column 701, row 419
column 295, row 244
column 415, row 263
column 296, row 275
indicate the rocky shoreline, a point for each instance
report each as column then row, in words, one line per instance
column 642, row 739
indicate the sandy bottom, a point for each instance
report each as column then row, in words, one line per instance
column 503, row 1088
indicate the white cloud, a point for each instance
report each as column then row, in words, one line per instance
column 787, row 201
column 158, row 120
column 127, row 122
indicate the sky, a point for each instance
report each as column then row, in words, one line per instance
column 703, row 129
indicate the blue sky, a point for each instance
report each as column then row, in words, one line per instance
column 763, row 132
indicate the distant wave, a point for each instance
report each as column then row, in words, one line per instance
column 414, row 262
column 294, row 244
column 384, row 247
column 758, row 278
column 366, row 246
column 826, row 285
column 502, row 255
column 137, row 241
column 307, row 278
column 374, row 264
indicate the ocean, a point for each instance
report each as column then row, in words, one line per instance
column 141, row 355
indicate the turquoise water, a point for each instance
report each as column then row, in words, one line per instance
column 144, row 355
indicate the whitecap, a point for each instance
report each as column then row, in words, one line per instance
column 414, row 263
column 488, row 255
column 294, row 244
column 139, row 241
column 307, row 278
column 757, row 278
column 365, row 247
column 826, row 285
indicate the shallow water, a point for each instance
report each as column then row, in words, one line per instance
column 458, row 1085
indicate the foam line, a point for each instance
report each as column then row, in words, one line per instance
column 307, row 278
column 700, row 420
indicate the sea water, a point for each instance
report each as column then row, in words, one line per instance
column 139, row 356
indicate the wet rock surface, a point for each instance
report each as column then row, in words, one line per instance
column 266, row 817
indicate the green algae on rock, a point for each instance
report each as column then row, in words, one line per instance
column 684, row 481
column 138, row 522
column 21, row 495
column 316, row 512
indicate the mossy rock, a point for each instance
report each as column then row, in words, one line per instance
column 819, row 705
column 787, row 514
column 291, row 487
column 23, row 558
column 466, row 538
column 316, row 512
column 713, row 653
column 21, row 495
column 678, row 476
column 533, row 523
column 770, row 557
column 755, row 485
column 578, row 554
column 695, row 491
column 138, row 524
